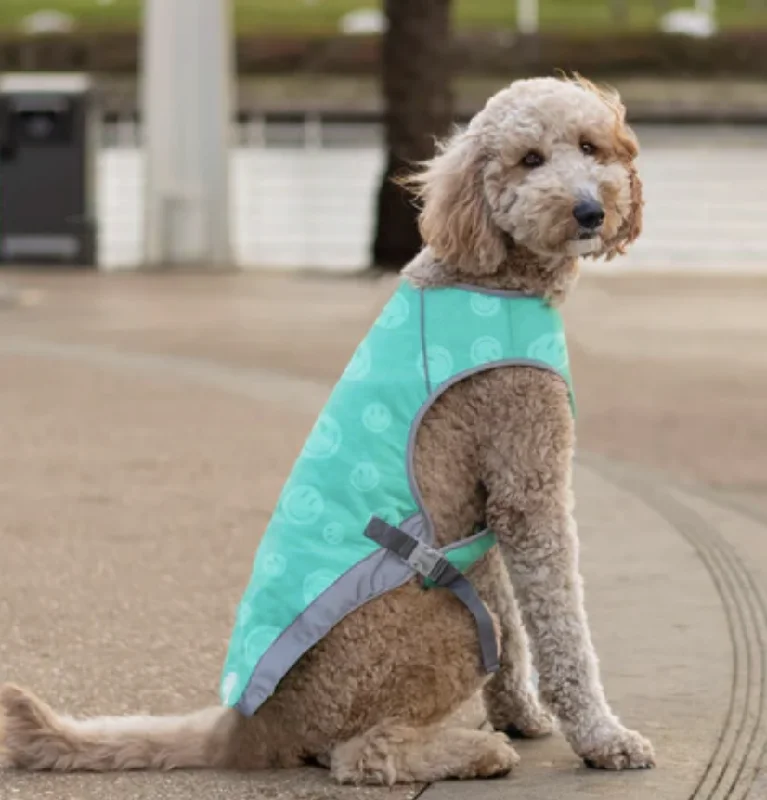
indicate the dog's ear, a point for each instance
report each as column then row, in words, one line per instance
column 455, row 218
column 633, row 225
column 626, row 146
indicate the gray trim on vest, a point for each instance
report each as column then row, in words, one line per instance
column 380, row 572
column 432, row 564
column 469, row 287
column 457, row 378
column 461, row 542
column 463, row 589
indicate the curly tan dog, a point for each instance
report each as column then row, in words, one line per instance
column 396, row 691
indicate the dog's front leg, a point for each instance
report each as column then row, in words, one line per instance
column 538, row 539
column 512, row 706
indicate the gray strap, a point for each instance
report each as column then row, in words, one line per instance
column 432, row 564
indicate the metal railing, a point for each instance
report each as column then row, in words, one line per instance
column 306, row 130
column 302, row 190
column 304, row 186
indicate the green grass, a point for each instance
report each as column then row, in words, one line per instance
column 322, row 16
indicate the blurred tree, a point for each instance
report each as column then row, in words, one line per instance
column 416, row 75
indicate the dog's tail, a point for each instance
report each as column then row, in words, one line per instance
column 33, row 736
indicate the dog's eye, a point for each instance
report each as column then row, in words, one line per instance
column 587, row 148
column 532, row 159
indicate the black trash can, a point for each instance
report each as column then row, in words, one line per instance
column 47, row 170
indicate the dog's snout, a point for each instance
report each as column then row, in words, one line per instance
column 589, row 214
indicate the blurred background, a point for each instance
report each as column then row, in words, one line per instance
column 197, row 226
column 329, row 95
column 259, row 138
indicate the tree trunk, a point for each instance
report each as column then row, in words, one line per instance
column 417, row 92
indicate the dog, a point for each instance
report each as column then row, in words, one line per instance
column 396, row 690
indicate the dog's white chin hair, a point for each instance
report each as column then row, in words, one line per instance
column 584, row 247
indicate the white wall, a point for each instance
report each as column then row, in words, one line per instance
column 291, row 207
column 706, row 204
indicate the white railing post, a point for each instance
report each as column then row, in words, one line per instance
column 313, row 132
column 254, row 133
column 527, row 16
column 187, row 88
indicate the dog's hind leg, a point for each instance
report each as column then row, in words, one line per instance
column 472, row 715
column 392, row 753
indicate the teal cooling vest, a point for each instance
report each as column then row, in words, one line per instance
column 350, row 523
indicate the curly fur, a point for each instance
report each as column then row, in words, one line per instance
column 396, row 691
column 480, row 202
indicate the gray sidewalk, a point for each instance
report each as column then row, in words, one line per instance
column 149, row 422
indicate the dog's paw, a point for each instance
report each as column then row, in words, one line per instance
column 535, row 724
column 522, row 718
column 610, row 746
column 496, row 758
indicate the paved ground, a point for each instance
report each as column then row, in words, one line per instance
column 149, row 422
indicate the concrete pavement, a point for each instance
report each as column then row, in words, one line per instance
column 149, row 421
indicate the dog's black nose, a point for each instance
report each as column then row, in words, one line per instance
column 589, row 213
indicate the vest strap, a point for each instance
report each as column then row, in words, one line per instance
column 433, row 566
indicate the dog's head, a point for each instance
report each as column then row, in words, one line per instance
column 547, row 165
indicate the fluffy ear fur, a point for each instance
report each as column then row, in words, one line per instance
column 455, row 218
column 626, row 146
column 633, row 226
